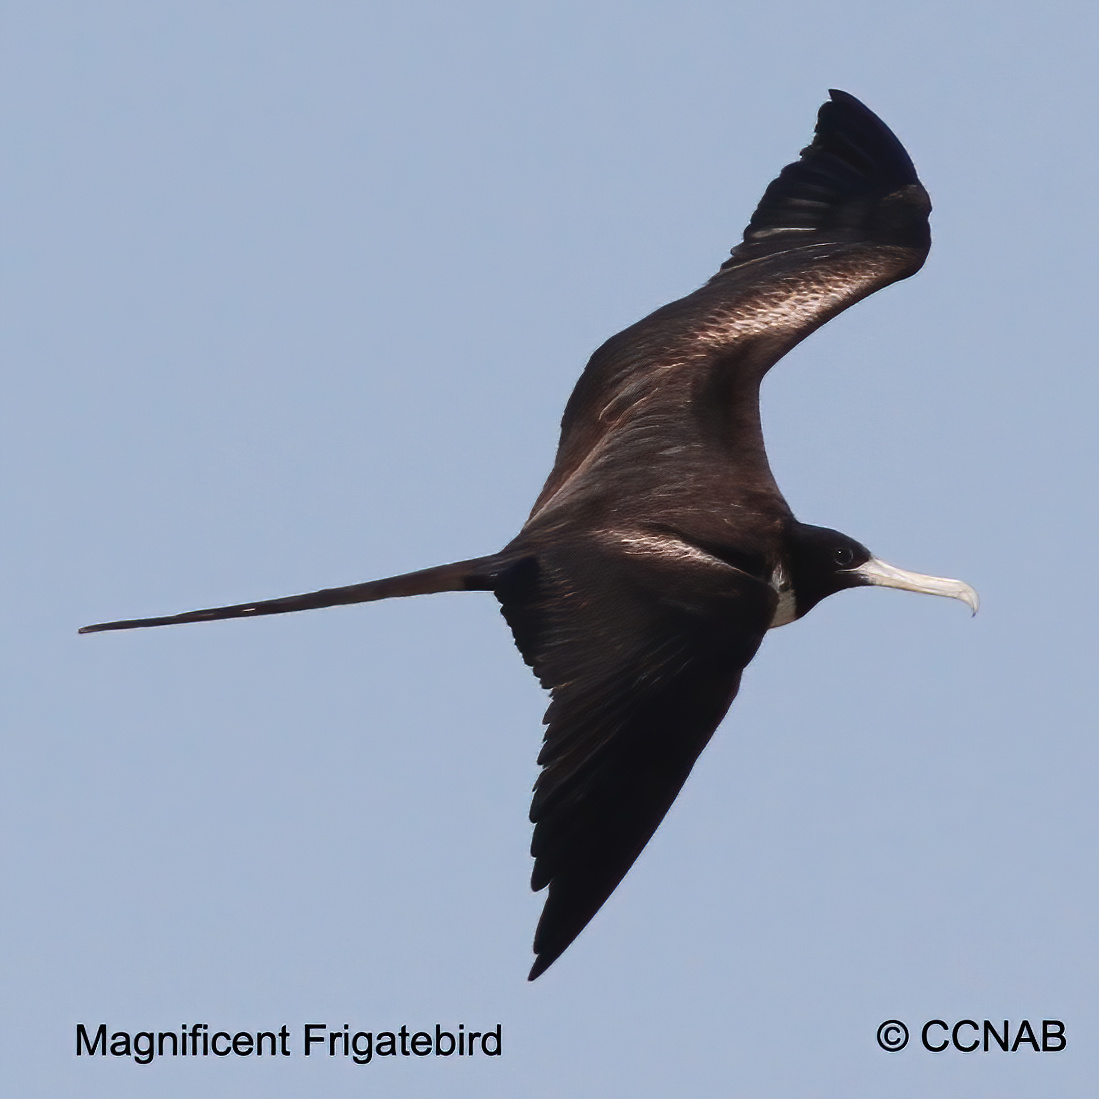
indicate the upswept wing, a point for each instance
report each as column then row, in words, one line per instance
column 846, row 219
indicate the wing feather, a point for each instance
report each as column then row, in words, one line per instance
column 845, row 220
column 642, row 654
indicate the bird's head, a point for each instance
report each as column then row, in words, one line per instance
column 824, row 561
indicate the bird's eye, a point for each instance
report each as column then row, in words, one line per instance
column 843, row 556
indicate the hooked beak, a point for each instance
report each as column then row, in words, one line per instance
column 889, row 576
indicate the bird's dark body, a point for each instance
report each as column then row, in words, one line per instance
column 660, row 550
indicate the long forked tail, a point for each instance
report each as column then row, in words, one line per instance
column 477, row 574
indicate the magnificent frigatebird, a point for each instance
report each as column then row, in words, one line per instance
column 660, row 550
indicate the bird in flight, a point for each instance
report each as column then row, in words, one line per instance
column 660, row 550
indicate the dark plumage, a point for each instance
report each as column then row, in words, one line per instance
column 660, row 550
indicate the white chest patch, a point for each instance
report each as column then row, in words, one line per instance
column 786, row 609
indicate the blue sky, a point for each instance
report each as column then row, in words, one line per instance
column 294, row 295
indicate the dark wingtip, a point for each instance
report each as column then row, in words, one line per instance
column 846, row 123
column 544, row 958
column 546, row 954
column 855, row 182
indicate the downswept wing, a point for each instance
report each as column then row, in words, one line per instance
column 846, row 219
column 642, row 650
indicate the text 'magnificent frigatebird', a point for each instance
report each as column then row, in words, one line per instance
column 660, row 550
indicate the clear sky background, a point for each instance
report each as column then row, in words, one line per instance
column 294, row 294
